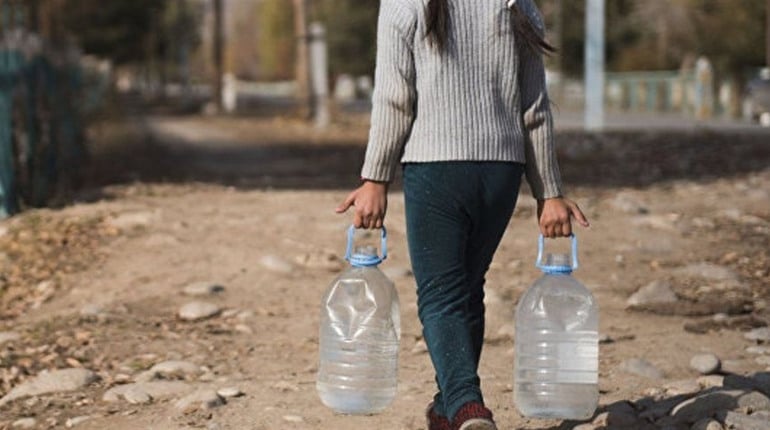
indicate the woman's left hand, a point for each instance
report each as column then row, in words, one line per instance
column 555, row 216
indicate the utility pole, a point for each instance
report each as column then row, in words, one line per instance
column 219, row 43
column 302, row 70
column 594, row 65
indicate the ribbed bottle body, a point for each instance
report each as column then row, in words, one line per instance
column 359, row 343
column 556, row 350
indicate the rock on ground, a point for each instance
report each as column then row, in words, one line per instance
column 706, row 364
column 24, row 423
column 8, row 336
column 153, row 390
column 654, row 292
column 56, row 381
column 201, row 399
column 195, row 311
column 203, row 289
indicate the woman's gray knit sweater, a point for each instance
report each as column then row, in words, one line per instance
column 483, row 99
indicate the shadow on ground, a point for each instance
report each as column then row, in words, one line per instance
column 265, row 161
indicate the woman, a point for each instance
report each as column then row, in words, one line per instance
column 460, row 101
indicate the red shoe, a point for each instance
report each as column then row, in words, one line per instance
column 473, row 416
column 436, row 421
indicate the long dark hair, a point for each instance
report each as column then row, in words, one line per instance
column 524, row 30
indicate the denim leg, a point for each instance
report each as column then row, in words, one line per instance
column 453, row 228
column 499, row 193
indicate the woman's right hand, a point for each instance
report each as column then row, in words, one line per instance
column 370, row 201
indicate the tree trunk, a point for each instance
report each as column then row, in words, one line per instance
column 302, row 72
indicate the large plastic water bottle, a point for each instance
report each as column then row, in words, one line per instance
column 556, row 367
column 359, row 336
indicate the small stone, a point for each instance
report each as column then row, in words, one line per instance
column 203, row 289
column 24, row 423
column 8, row 336
column 293, row 419
column 72, row 422
column 704, row 405
column 176, row 368
column 56, row 381
column 707, row 424
column 584, row 427
column 91, row 311
column 137, row 396
column 228, row 392
column 706, row 364
column 243, row 328
column 761, row 334
column 276, row 264
column 759, row 382
column 737, row 367
column 711, row 381
column 754, row 401
column 762, row 350
column 131, row 220
column 621, row 415
column 196, row 311
column 641, row 367
column 735, row 420
column 201, row 399
column 653, row 293
column 678, row 388
column 763, row 360
column 158, row 390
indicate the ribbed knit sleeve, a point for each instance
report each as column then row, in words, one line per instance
column 542, row 169
column 394, row 98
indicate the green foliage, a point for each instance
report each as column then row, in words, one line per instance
column 650, row 35
column 275, row 35
column 128, row 31
column 351, row 31
column 115, row 29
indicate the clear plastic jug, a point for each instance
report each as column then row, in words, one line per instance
column 359, row 335
column 556, row 367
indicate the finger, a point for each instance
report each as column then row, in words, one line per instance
column 349, row 200
column 357, row 221
column 579, row 216
column 548, row 231
column 566, row 229
column 379, row 222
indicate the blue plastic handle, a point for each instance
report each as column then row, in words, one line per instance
column 541, row 245
column 383, row 242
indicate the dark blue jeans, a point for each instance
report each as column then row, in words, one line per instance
column 456, row 214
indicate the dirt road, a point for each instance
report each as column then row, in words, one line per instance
column 248, row 204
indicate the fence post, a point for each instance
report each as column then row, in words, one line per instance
column 594, row 65
column 7, row 185
column 319, row 71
